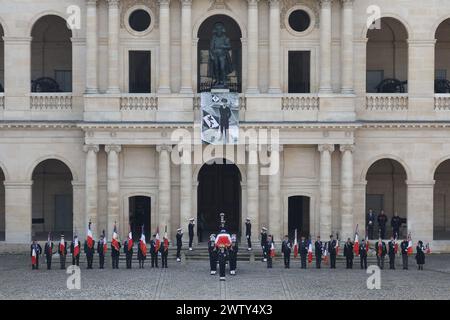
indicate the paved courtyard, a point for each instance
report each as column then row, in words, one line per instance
column 192, row 281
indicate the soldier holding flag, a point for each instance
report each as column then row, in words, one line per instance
column 380, row 248
column 164, row 249
column 318, row 246
column 363, row 248
column 62, row 251
column 75, row 251
column 393, row 247
column 348, row 253
column 102, row 247
column 115, row 248
column 154, row 248
column 142, row 250
column 404, row 251
column 286, row 248
column 49, row 251
column 36, row 250
column 303, row 252
column 89, row 247
column 128, row 249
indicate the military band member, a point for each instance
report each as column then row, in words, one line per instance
column 370, row 223
column 179, row 243
column 128, row 250
column 420, row 255
column 75, row 251
column 303, row 251
column 248, row 233
column 363, row 254
column 396, row 223
column 404, row 249
column 89, row 251
column 115, row 255
column 101, row 246
column 264, row 243
column 36, row 250
column 348, row 253
column 164, row 250
column 380, row 248
column 222, row 257
column 154, row 252
column 382, row 219
column 191, row 232
column 49, row 252
column 286, row 248
column 212, row 250
column 332, row 252
column 318, row 248
column 232, row 254
column 267, row 249
column 392, row 252
column 62, row 251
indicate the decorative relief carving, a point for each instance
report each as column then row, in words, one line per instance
column 285, row 5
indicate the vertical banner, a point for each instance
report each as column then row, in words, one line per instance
column 220, row 117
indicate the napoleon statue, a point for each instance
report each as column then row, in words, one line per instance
column 219, row 63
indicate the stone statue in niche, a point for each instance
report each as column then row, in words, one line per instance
column 219, row 63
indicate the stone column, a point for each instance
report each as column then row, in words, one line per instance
column 91, row 47
column 253, row 50
column 164, row 190
column 347, row 47
column 91, row 188
column 420, row 210
column 274, row 47
column 185, row 194
column 113, row 187
column 186, row 47
column 253, row 190
column 79, row 210
column 18, row 211
column 275, row 202
column 325, row 189
column 164, row 46
column 347, row 192
column 325, row 47
column 113, row 46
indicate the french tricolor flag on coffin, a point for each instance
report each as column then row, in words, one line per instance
column 223, row 240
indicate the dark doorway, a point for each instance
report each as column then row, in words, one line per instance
column 219, row 190
column 139, row 71
column 140, row 215
column 299, row 71
column 298, row 216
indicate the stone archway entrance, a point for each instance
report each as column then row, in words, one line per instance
column 298, row 216
column 140, row 215
column 219, row 190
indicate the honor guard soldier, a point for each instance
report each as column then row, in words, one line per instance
column 164, row 250
column 268, row 247
column 303, row 252
column 128, row 250
column 222, row 257
column 396, row 223
column 115, row 253
column 154, row 252
column 332, row 244
column 232, row 254
column 62, row 251
column 420, row 255
column 248, row 233
column 363, row 254
column 382, row 219
column 142, row 250
column 89, row 247
column 212, row 250
column 380, row 247
column 404, row 249
column 191, row 232
column 370, row 223
column 36, row 250
column 75, row 251
column 179, row 243
column 286, row 248
column 392, row 252
column 348, row 253
column 264, row 243
column 49, row 251
column 102, row 246
column 318, row 248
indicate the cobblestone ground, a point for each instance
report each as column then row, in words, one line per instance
column 191, row 280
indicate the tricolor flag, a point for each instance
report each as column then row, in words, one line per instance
column 310, row 255
column 76, row 247
column 62, row 246
column 410, row 245
column 337, row 244
column 272, row 250
column 166, row 240
column 356, row 245
column 90, row 238
column 295, row 245
column 142, row 244
column 223, row 240
column 33, row 257
column 325, row 254
column 115, row 238
column 157, row 240
column 130, row 240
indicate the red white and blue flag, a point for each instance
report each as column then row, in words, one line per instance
column 310, row 252
column 115, row 239
column 90, row 238
column 142, row 243
column 105, row 243
column 223, row 240
column 410, row 245
column 295, row 245
column 33, row 257
column 157, row 240
column 130, row 240
column 356, row 245
column 76, row 247
column 62, row 246
column 272, row 250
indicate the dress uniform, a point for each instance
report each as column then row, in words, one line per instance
column 36, row 247
column 380, row 248
column 142, row 251
column 392, row 252
column 382, row 219
column 89, row 251
column 212, row 250
column 115, row 255
column 164, row 250
column 303, row 252
column 370, row 223
column 75, row 255
column 318, row 247
column 363, row 254
column 332, row 252
column 154, row 252
column 286, row 248
column 62, row 251
column 191, row 232
column 348, row 253
column 222, row 256
column 232, row 254
column 179, row 243
column 420, row 255
column 128, row 253
column 248, row 233
column 101, row 251
column 267, row 248
column 396, row 223
column 264, row 243
column 404, row 249
column 48, row 253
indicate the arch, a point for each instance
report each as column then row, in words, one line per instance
column 381, row 157
column 75, row 33
column 437, row 24
column 441, row 197
column 406, row 25
column 5, row 27
column 240, row 167
column 4, row 170
column 69, row 165
column 205, row 16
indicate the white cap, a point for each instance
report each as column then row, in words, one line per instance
column 179, row 229
column 191, row 219
column 264, row 228
column 248, row 219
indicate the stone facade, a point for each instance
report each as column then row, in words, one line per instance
column 117, row 144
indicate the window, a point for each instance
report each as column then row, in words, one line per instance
column 139, row 71
column 373, row 79
column 64, row 80
column 299, row 71
column 441, row 74
column 139, row 20
column 299, row 20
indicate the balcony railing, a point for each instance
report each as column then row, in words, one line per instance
column 51, row 101
column 442, row 101
column 300, row 102
column 138, row 101
column 387, row 101
column 2, row 100
column 242, row 102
